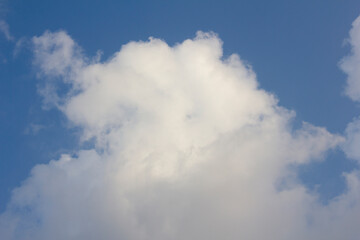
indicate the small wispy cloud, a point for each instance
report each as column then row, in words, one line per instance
column 33, row 128
column 4, row 28
column 20, row 45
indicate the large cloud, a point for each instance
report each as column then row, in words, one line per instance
column 186, row 146
column 351, row 66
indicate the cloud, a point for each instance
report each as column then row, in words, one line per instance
column 20, row 45
column 351, row 66
column 186, row 146
column 34, row 128
column 351, row 147
column 4, row 28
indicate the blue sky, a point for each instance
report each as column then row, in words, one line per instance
column 294, row 47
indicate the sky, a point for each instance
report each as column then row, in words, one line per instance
column 179, row 119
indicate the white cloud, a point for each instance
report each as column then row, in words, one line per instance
column 351, row 66
column 56, row 56
column 4, row 28
column 187, row 147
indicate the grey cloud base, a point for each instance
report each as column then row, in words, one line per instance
column 186, row 147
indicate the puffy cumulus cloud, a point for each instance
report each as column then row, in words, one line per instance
column 350, row 64
column 339, row 219
column 186, row 146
